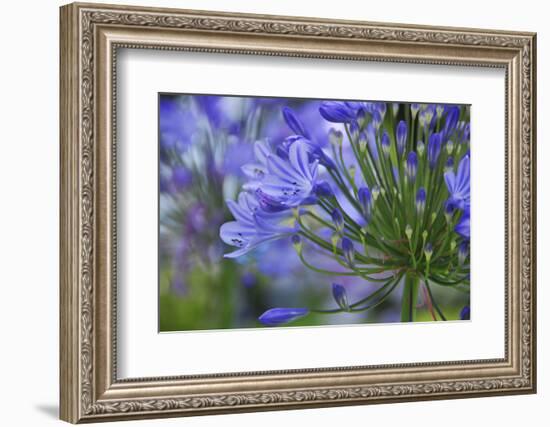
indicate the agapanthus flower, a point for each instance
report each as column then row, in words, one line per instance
column 361, row 204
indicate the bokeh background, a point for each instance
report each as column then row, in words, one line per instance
column 203, row 142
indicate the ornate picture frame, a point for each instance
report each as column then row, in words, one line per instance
column 90, row 37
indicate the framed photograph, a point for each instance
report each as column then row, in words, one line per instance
column 266, row 212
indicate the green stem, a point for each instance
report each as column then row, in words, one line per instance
column 410, row 296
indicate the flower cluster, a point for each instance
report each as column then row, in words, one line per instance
column 385, row 195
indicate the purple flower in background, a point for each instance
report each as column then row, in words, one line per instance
column 176, row 124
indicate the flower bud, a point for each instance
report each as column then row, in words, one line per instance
column 354, row 130
column 401, row 136
column 349, row 251
column 395, row 108
column 420, row 201
column 420, row 148
column 428, row 251
column 297, row 243
column 450, row 146
column 365, row 200
column 340, row 296
column 335, row 137
column 362, row 142
column 439, row 110
column 375, row 192
column 408, row 231
column 462, row 252
column 449, row 164
column 411, row 166
column 414, row 109
column 279, row 316
column 338, row 220
column 385, row 143
column 434, row 148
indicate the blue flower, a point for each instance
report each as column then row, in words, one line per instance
column 434, row 149
column 258, row 169
column 337, row 112
column 458, row 184
column 401, row 136
column 314, row 150
column 252, row 226
column 340, row 296
column 463, row 226
column 279, row 316
column 294, row 123
column 290, row 182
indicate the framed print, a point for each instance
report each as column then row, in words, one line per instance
column 265, row 212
